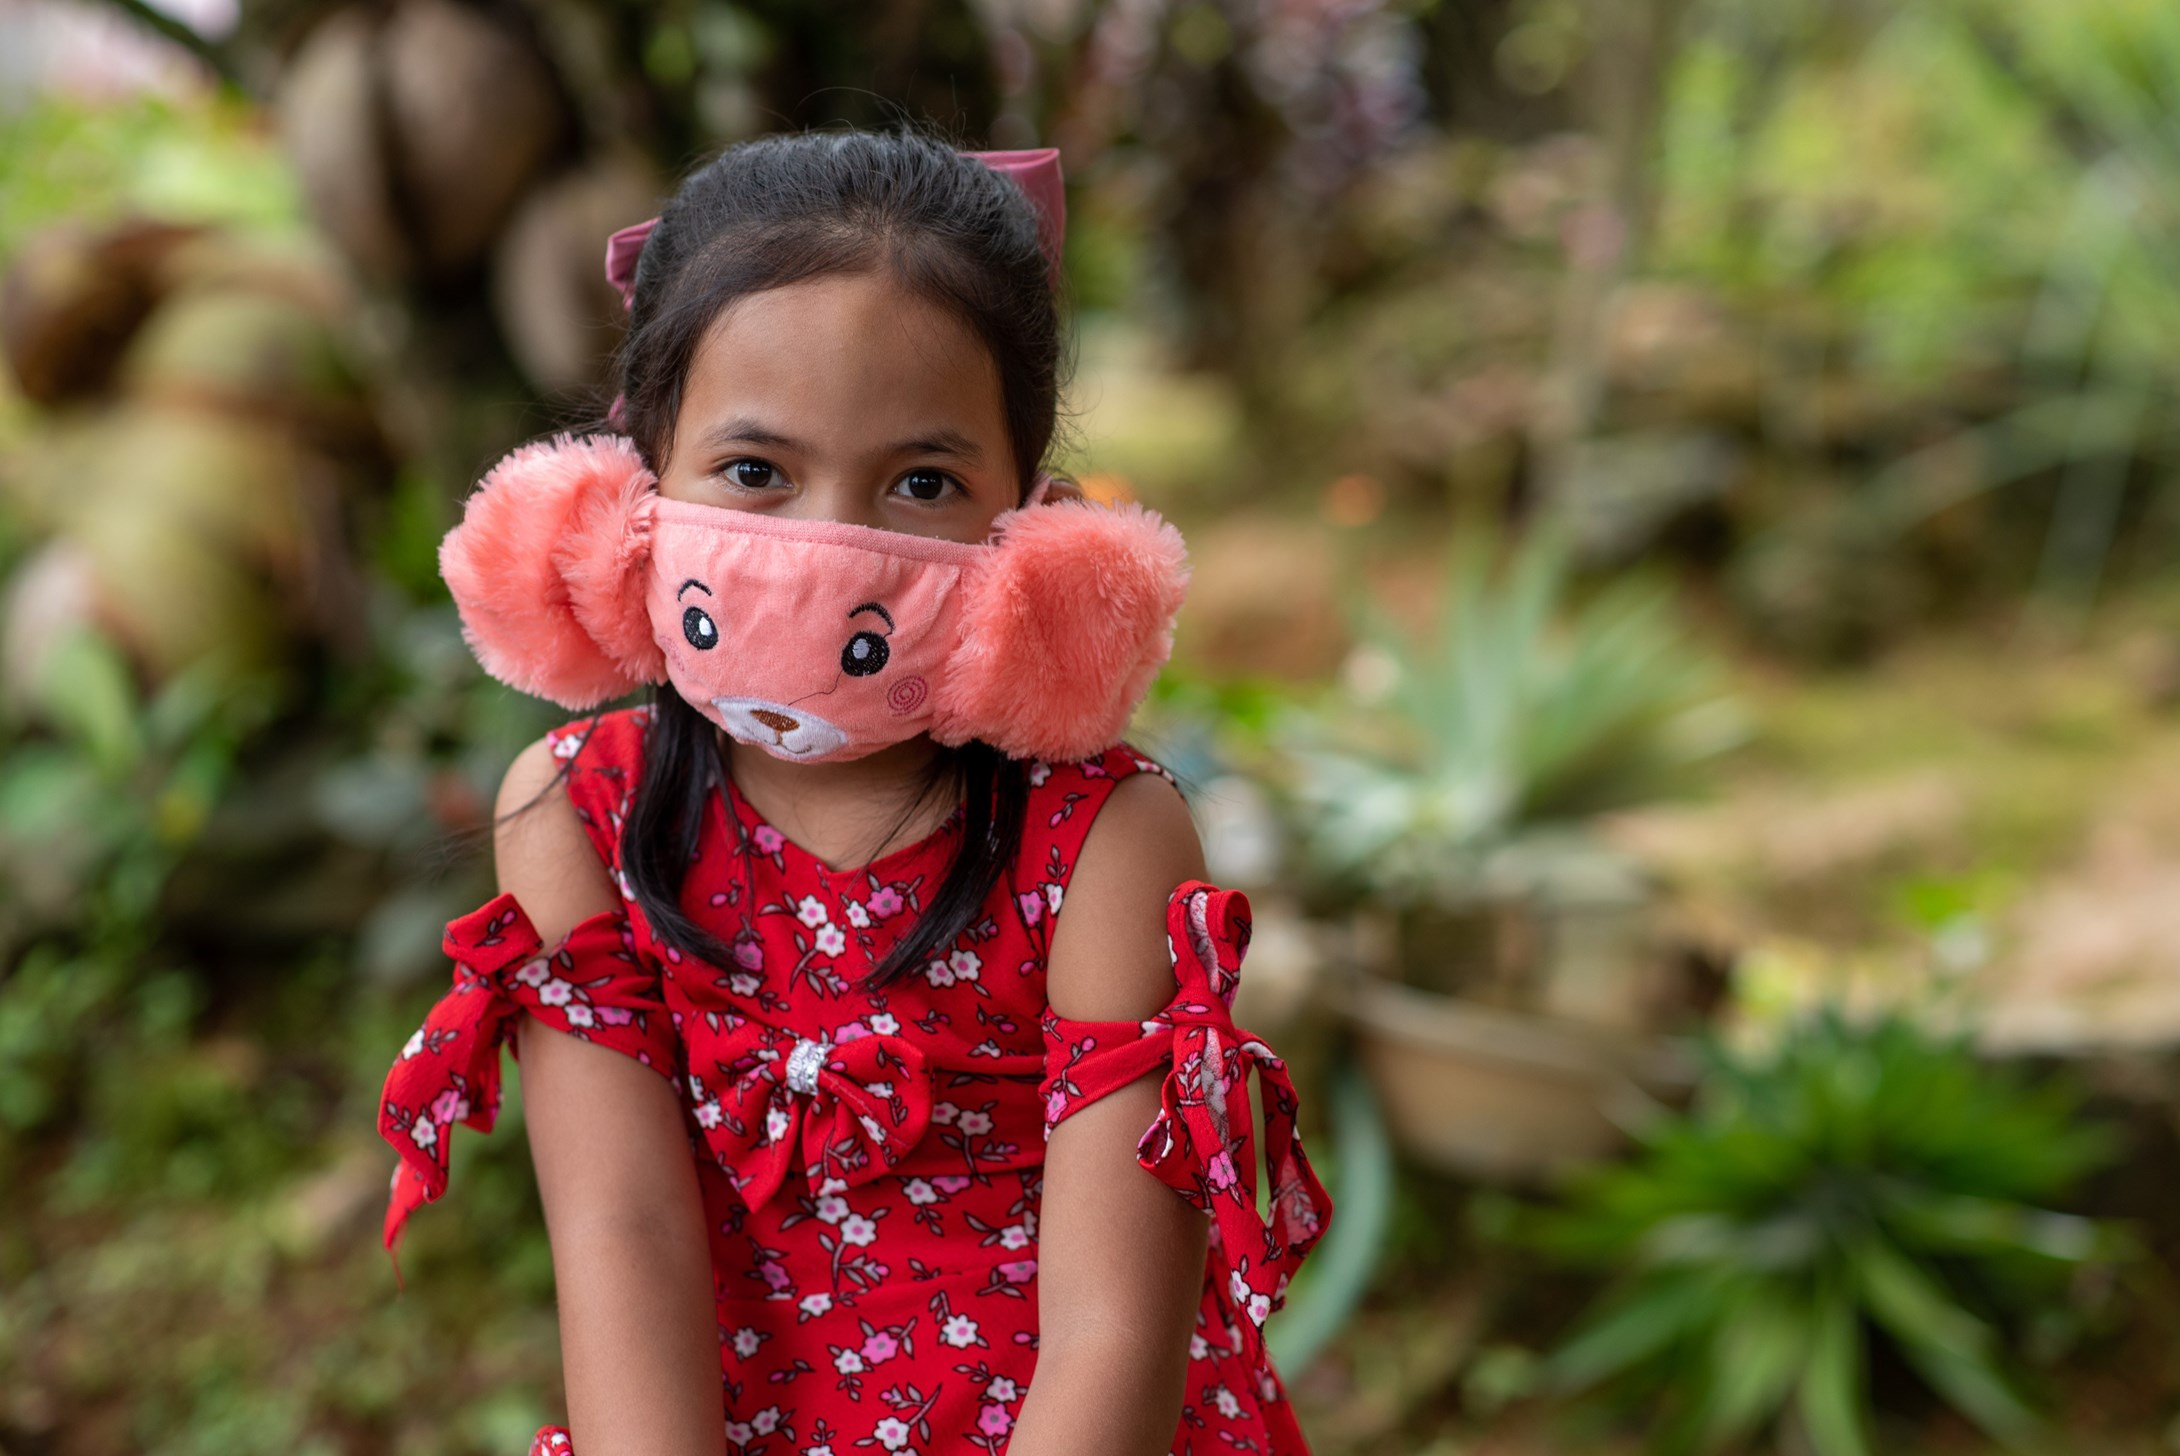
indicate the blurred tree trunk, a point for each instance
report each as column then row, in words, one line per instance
column 1622, row 86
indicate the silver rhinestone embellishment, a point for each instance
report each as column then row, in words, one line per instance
column 803, row 1065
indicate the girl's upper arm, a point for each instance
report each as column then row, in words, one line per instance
column 583, row 1102
column 631, row 1259
column 1120, row 1256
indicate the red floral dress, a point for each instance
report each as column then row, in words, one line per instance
column 871, row 1161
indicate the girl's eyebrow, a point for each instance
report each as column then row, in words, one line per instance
column 743, row 430
column 941, row 442
column 747, row 431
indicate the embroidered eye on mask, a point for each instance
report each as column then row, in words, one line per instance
column 812, row 640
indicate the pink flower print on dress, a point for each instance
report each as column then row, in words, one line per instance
column 886, row 901
column 449, row 1106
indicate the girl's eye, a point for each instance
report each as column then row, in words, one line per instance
column 926, row 484
column 755, row 474
column 700, row 629
column 865, row 654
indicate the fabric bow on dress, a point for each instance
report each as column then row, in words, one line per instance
column 591, row 986
column 1203, row 1143
column 852, row 1109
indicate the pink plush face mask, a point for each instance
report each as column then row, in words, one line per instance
column 812, row 640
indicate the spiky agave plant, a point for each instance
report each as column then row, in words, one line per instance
column 1524, row 707
column 1860, row 1181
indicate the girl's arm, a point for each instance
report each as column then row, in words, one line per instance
column 638, row 1336
column 1120, row 1259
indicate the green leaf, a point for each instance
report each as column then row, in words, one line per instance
column 1830, row 1396
column 88, row 691
column 1948, row 1346
column 1642, row 1321
column 1755, row 1355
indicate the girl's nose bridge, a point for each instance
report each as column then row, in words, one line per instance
column 844, row 490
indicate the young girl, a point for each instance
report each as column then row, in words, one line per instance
column 842, row 1123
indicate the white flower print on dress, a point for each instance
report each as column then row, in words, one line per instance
column 831, row 1207
column 746, row 1340
column 848, row 1362
column 534, row 972
column 578, row 1014
column 857, row 1230
column 1001, row 1389
column 811, row 911
column 939, row 973
column 556, row 992
column 960, row 1332
column 885, row 1024
column 919, row 1192
column 964, row 964
column 857, row 915
column 831, row 940
column 975, row 1124
column 423, row 1134
column 891, row 1433
column 813, row 1305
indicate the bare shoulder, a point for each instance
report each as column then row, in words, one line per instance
column 543, row 857
column 1109, row 958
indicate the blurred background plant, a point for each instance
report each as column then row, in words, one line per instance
column 1682, row 528
column 1440, row 767
column 1854, row 1183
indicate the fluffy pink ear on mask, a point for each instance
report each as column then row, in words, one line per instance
column 549, row 568
column 1064, row 627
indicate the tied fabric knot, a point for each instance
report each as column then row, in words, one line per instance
column 1203, row 1143
column 591, row 985
column 848, row 1110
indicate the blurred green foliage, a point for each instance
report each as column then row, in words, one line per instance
column 1522, row 708
column 209, row 160
column 1853, row 1184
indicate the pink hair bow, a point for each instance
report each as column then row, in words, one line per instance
column 1036, row 172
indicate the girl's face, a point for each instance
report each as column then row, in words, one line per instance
column 845, row 398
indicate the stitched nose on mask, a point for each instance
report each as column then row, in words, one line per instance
column 777, row 722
